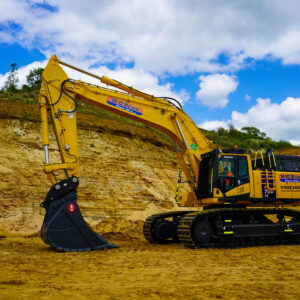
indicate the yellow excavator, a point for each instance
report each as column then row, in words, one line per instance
column 245, row 202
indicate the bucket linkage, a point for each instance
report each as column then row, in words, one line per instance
column 64, row 227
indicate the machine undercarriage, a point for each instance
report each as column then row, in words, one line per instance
column 225, row 227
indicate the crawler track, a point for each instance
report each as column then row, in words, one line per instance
column 225, row 228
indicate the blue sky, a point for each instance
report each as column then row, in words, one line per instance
column 228, row 62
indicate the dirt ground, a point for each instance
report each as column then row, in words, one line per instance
column 127, row 174
column 138, row 270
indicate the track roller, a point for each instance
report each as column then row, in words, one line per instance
column 202, row 231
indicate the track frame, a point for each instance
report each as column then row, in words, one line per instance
column 226, row 227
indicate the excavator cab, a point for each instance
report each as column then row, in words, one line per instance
column 232, row 177
column 224, row 174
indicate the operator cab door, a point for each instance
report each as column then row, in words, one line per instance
column 232, row 176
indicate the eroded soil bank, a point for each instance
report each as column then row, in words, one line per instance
column 126, row 171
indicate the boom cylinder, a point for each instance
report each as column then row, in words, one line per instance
column 182, row 135
column 125, row 88
column 46, row 154
column 45, row 132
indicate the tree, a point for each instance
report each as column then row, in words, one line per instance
column 233, row 132
column 221, row 131
column 11, row 83
column 34, row 78
column 254, row 132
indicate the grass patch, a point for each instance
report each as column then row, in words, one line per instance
column 251, row 138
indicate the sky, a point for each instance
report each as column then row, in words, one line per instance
column 227, row 62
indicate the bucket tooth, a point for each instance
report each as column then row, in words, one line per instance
column 64, row 227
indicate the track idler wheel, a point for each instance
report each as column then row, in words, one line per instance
column 64, row 227
column 164, row 230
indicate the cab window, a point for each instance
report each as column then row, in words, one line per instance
column 225, row 166
column 226, row 174
column 243, row 172
column 243, row 168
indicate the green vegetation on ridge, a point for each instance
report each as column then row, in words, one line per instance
column 247, row 138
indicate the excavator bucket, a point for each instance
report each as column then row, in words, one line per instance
column 64, row 227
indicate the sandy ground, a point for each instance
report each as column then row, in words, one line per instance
column 138, row 270
column 127, row 174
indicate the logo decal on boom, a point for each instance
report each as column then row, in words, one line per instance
column 124, row 105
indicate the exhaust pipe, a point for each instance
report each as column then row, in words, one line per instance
column 64, row 227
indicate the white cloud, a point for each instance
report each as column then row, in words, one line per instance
column 247, row 97
column 213, row 125
column 280, row 121
column 160, row 35
column 214, row 89
column 138, row 78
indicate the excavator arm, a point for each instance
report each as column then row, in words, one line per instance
column 59, row 98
